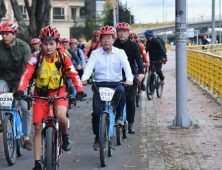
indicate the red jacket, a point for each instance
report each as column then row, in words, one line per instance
column 32, row 63
column 93, row 45
column 143, row 52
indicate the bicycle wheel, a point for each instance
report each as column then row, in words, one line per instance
column 118, row 135
column 104, row 140
column 138, row 95
column 49, row 148
column 159, row 89
column 9, row 141
column 150, row 86
column 20, row 143
column 125, row 129
column 110, row 147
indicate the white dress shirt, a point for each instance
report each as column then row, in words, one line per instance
column 108, row 67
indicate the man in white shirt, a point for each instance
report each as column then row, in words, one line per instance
column 108, row 62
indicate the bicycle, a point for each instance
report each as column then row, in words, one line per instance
column 51, row 135
column 153, row 83
column 108, row 103
column 12, row 128
column 138, row 91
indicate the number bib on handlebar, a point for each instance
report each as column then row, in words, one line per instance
column 106, row 94
column 6, row 99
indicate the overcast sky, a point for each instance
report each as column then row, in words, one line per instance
column 146, row 11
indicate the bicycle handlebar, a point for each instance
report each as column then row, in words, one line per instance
column 29, row 98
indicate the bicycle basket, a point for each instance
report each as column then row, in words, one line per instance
column 102, row 104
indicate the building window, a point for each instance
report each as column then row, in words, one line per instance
column 23, row 11
column 99, row 4
column 73, row 13
column 58, row 13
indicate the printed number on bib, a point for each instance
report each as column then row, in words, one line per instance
column 6, row 99
column 106, row 94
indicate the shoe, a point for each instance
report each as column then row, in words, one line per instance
column 96, row 146
column 131, row 129
column 1, row 126
column 66, row 143
column 28, row 145
column 162, row 82
column 119, row 121
column 37, row 168
column 143, row 87
column 84, row 95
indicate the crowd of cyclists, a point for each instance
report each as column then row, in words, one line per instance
column 112, row 54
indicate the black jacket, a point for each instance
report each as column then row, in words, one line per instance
column 133, row 53
column 156, row 50
column 205, row 42
column 82, row 46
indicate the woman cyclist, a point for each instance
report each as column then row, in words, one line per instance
column 49, row 82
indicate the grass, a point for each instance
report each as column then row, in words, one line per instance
column 196, row 125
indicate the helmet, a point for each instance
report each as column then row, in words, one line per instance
column 80, row 40
column 49, row 33
column 96, row 32
column 35, row 41
column 107, row 30
column 64, row 40
column 148, row 33
column 123, row 26
column 73, row 41
column 134, row 35
column 9, row 27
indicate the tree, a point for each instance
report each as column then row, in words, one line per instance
column 2, row 9
column 39, row 17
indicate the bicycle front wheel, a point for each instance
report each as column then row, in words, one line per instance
column 138, row 95
column 159, row 89
column 9, row 140
column 118, row 135
column 104, row 140
column 150, row 86
column 49, row 148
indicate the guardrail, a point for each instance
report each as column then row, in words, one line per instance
column 206, row 70
column 215, row 49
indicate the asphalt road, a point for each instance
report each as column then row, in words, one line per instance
column 82, row 156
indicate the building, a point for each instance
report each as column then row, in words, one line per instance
column 63, row 14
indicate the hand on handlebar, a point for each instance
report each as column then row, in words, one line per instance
column 84, row 83
column 80, row 95
column 18, row 94
column 164, row 61
column 128, row 82
column 140, row 77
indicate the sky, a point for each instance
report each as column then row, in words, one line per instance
column 151, row 11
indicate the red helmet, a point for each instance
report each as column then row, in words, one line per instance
column 80, row 40
column 134, row 35
column 35, row 41
column 96, row 32
column 49, row 33
column 64, row 40
column 9, row 27
column 123, row 26
column 107, row 30
column 73, row 41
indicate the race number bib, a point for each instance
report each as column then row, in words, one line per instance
column 6, row 99
column 106, row 94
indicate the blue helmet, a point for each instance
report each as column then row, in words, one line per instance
column 148, row 33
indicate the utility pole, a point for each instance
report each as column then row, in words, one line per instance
column 114, row 14
column 213, row 38
column 182, row 118
column 220, row 20
column 163, row 11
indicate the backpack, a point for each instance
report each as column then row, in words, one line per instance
column 162, row 42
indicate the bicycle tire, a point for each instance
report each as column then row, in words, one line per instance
column 104, row 140
column 118, row 135
column 49, row 148
column 9, row 141
column 125, row 129
column 149, row 89
column 159, row 89
column 19, row 149
column 110, row 147
column 138, row 96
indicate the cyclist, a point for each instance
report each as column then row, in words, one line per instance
column 108, row 62
column 36, row 45
column 133, row 37
column 81, row 45
column 157, row 53
column 133, row 53
column 92, row 44
column 74, row 58
column 49, row 82
column 14, row 56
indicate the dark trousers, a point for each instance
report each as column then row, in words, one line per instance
column 97, row 111
column 158, row 67
column 80, row 73
column 130, row 103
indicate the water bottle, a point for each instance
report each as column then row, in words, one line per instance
column 93, row 76
column 18, row 124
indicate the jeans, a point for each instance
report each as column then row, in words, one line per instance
column 26, row 114
column 98, row 111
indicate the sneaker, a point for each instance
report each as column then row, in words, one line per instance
column 66, row 143
column 162, row 82
column 28, row 145
column 119, row 121
column 143, row 87
column 37, row 168
column 96, row 144
column 131, row 129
